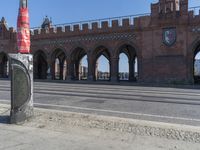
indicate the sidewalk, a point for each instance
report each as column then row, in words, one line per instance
column 57, row 130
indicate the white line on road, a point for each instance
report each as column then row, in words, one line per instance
column 112, row 111
column 119, row 112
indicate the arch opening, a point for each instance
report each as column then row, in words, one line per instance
column 40, row 65
column 80, row 64
column 59, row 64
column 102, row 70
column 123, row 67
column 196, row 66
column 128, row 63
column 83, row 68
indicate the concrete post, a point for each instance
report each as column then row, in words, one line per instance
column 21, row 68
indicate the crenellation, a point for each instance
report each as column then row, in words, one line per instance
column 126, row 22
column 115, row 23
column 136, row 22
column 59, row 29
column 76, row 28
column 36, row 31
column 104, row 25
column 67, row 28
column 43, row 31
column 155, row 10
column 95, row 25
column 145, row 21
column 52, row 30
column 85, row 27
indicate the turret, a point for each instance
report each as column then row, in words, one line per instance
column 169, row 8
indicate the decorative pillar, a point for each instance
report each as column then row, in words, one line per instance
column 114, row 69
column 132, row 70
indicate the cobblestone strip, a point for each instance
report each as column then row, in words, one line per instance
column 136, row 127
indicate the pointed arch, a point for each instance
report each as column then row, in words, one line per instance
column 40, row 65
column 196, row 65
column 103, row 66
column 132, row 65
column 80, row 64
column 123, row 67
column 58, row 59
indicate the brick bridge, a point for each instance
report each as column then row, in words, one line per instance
column 164, row 43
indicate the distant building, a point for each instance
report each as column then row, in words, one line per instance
column 123, row 76
column 83, row 72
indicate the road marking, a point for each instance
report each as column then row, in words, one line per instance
column 4, row 100
column 112, row 111
column 119, row 112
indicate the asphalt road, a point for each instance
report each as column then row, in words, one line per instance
column 171, row 105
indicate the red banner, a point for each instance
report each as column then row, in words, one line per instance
column 23, row 31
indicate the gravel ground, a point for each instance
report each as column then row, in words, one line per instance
column 57, row 130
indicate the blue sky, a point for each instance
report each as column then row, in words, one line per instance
column 65, row 11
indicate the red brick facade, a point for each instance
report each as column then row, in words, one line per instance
column 141, row 37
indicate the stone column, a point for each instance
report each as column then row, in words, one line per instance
column 132, row 70
column 1, row 69
column 90, row 69
column 114, row 69
column 61, row 70
column 49, row 69
column 97, row 75
column 64, row 69
column 80, row 72
column 53, row 71
column 76, row 71
column 70, row 70
column 21, row 68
